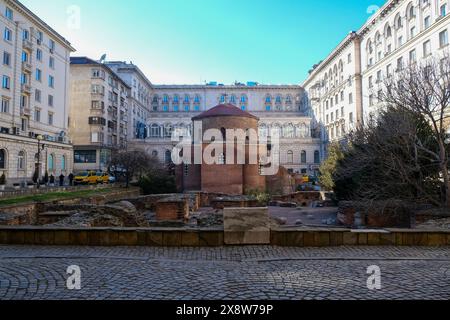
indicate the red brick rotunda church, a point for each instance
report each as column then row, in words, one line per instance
column 221, row 177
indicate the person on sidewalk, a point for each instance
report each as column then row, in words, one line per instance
column 61, row 180
column 71, row 177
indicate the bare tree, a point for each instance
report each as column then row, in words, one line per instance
column 134, row 164
column 423, row 89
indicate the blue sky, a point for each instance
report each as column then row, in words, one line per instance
column 192, row 41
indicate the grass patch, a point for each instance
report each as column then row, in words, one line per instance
column 52, row 196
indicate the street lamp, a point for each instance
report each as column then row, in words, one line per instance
column 39, row 139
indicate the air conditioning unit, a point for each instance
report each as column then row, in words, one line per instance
column 16, row 131
column 31, row 134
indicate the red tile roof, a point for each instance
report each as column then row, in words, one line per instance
column 224, row 110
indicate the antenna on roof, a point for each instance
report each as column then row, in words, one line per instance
column 103, row 58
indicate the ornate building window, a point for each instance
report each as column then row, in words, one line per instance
column 155, row 131
column 303, row 157
column 316, row 157
column 186, row 99
column 21, row 161
column 290, row 157
column 278, row 99
column 288, row 131
column 51, row 162
column 176, row 99
column 243, row 99
column 233, row 99
column 288, row 99
column 197, row 99
column 2, row 159
column 166, row 98
column 263, row 131
column 168, row 129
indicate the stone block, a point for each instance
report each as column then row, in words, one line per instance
column 79, row 238
column 16, row 237
column 141, row 238
column 154, row 238
column 294, row 239
column 45, row 237
column 62, row 238
column 350, row 238
column 172, row 238
column 190, row 239
column 373, row 239
column 29, row 237
column 321, row 239
column 436, row 239
column 3, row 237
column 127, row 238
column 277, row 238
column 336, row 238
column 308, row 239
column 211, row 238
column 387, row 239
column 246, row 226
column 421, row 239
column 94, row 237
column 362, row 239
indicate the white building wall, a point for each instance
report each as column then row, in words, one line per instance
column 381, row 52
column 31, row 35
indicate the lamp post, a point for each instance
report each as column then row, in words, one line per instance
column 39, row 139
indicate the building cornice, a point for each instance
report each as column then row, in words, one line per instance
column 38, row 21
column 352, row 36
column 226, row 87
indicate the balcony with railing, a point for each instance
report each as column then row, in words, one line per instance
column 27, row 67
column 27, row 44
column 24, row 111
column 26, row 88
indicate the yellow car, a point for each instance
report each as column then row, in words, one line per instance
column 103, row 177
column 86, row 177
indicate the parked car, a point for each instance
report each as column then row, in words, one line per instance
column 86, row 177
column 112, row 179
column 103, row 177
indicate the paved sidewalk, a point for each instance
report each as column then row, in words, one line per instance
column 252, row 272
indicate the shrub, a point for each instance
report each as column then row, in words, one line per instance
column 157, row 184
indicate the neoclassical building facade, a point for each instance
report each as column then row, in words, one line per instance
column 34, row 96
column 343, row 89
column 280, row 108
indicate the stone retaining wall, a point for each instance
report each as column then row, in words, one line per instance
column 215, row 237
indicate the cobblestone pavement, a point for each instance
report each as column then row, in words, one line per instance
column 229, row 273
